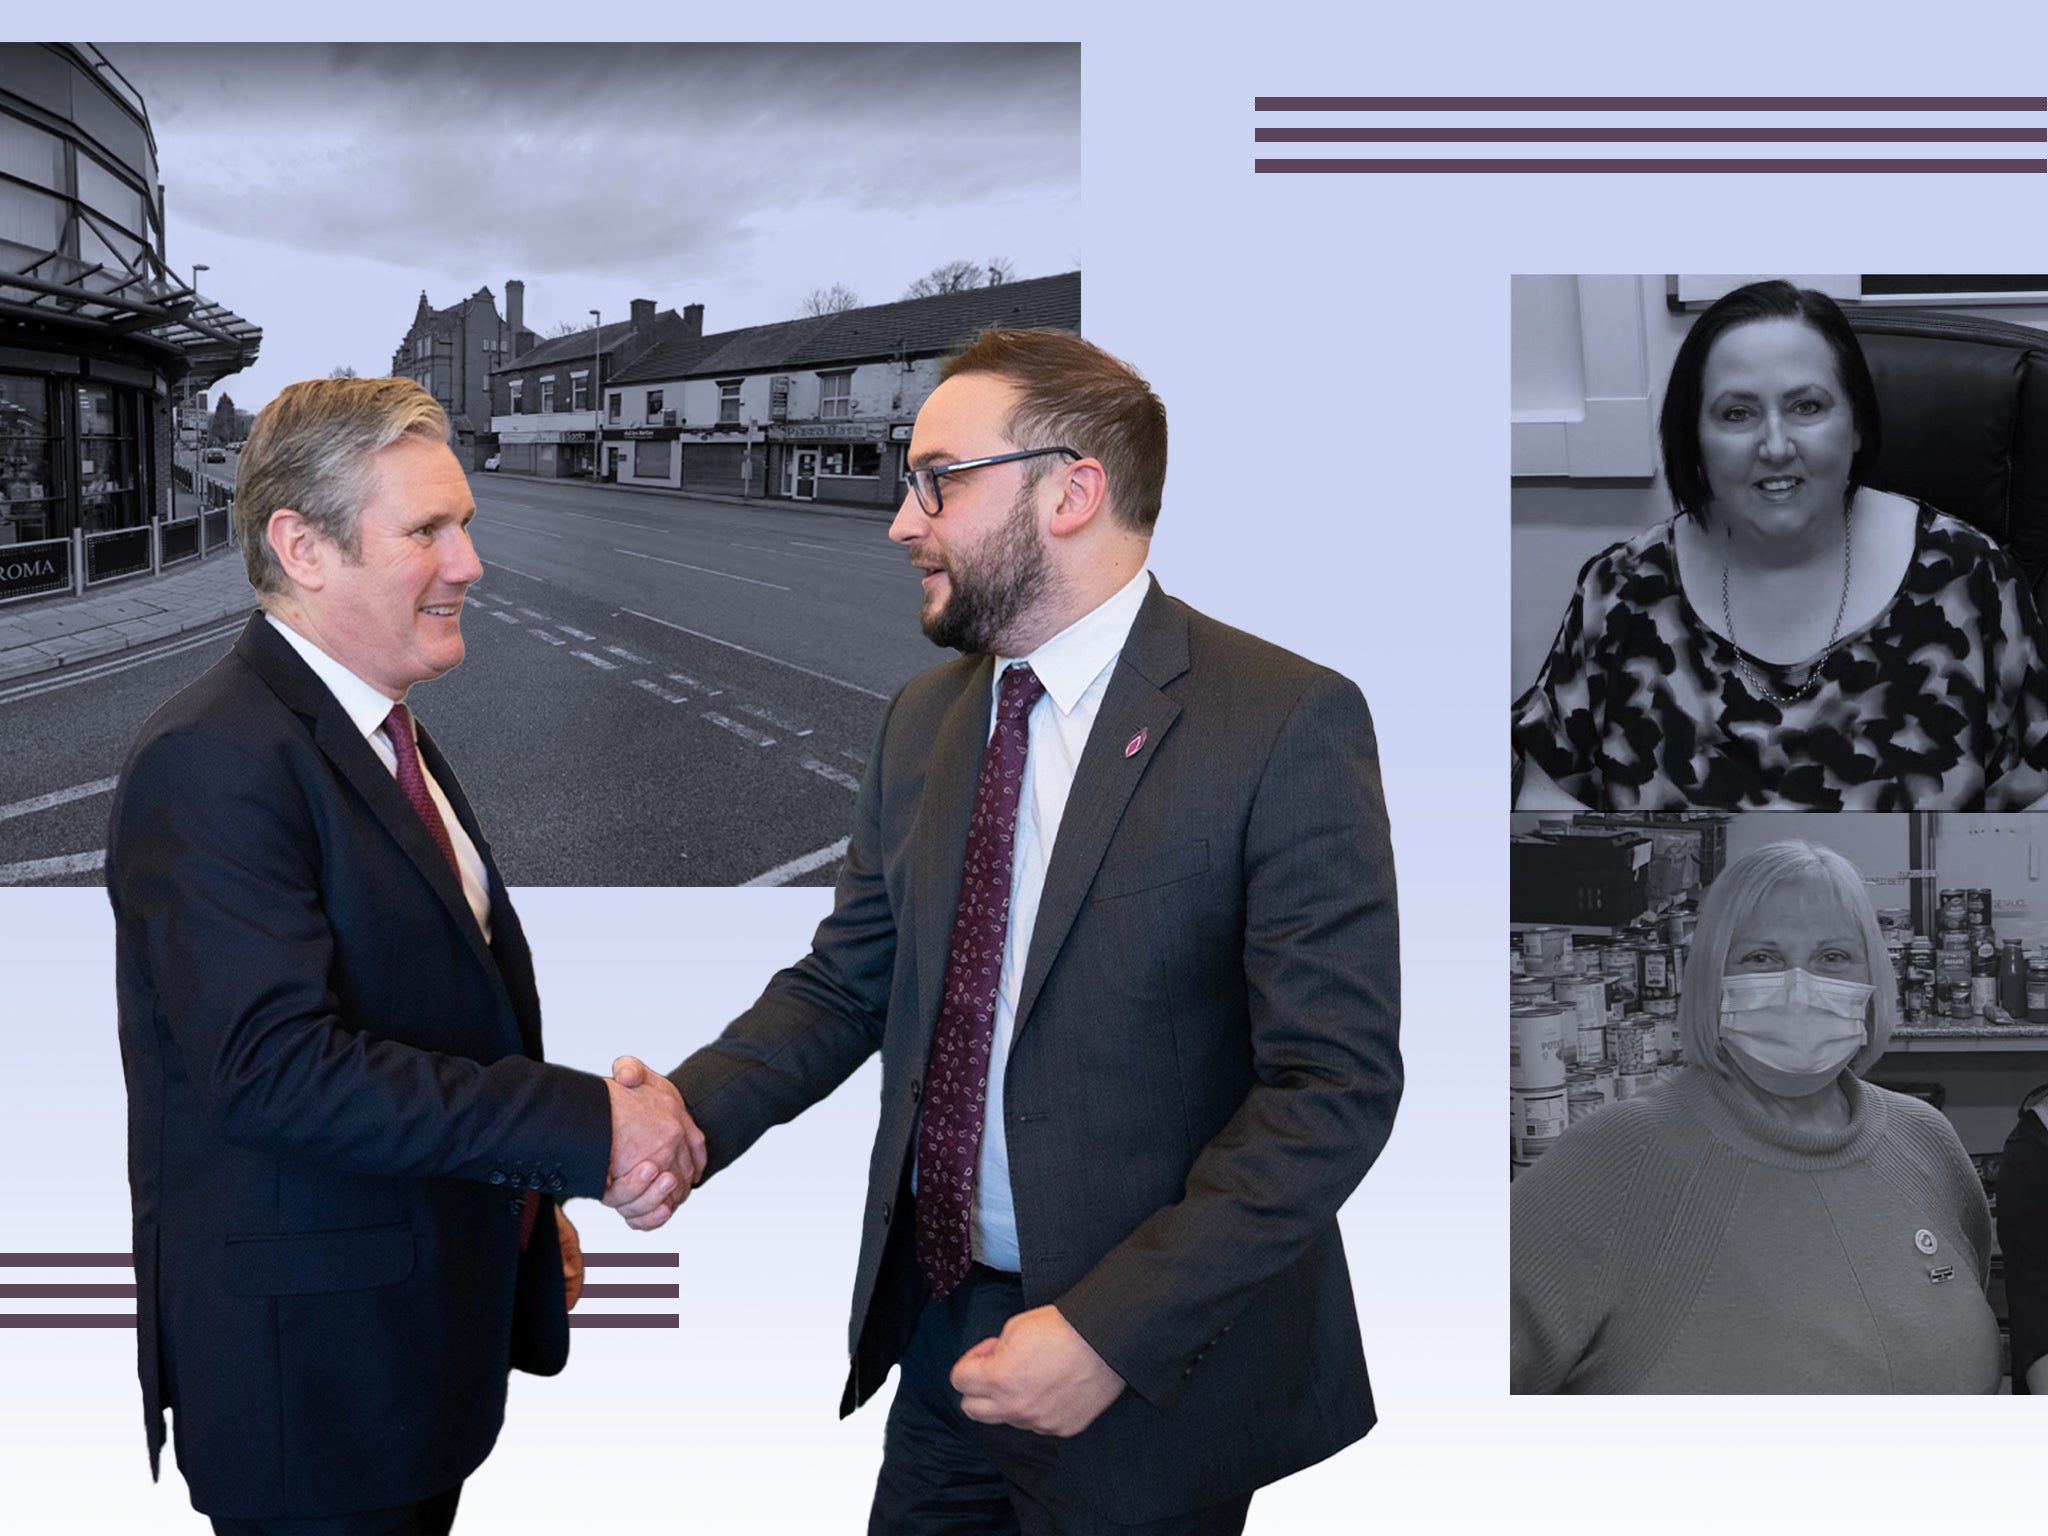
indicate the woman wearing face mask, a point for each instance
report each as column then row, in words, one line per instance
column 1768, row 1222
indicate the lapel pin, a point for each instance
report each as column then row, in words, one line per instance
column 1132, row 747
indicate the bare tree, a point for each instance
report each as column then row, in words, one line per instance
column 830, row 301
column 566, row 328
column 342, row 371
column 958, row 276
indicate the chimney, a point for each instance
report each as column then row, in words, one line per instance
column 643, row 322
column 515, row 306
column 693, row 319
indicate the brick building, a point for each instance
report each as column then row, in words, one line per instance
column 452, row 351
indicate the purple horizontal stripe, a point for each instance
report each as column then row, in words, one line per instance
column 67, row 1320
column 68, row 1260
column 1644, row 167
column 1651, row 103
column 632, row 1260
column 624, row 1320
column 74, row 1292
column 1652, row 135
column 631, row 1292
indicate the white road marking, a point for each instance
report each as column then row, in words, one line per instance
column 619, row 522
column 760, row 712
column 71, row 677
column 685, row 679
column 827, row 771
column 623, row 653
column 575, row 634
column 501, row 565
column 744, row 732
column 542, row 634
column 704, row 570
column 504, row 617
column 49, row 869
column 844, row 549
column 660, row 692
column 596, row 661
column 782, row 874
column 57, row 797
column 538, row 618
column 823, row 677
column 522, row 528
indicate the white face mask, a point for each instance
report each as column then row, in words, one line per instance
column 1791, row 1032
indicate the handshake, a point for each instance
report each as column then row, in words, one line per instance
column 657, row 1151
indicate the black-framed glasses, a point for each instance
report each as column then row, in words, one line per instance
column 925, row 482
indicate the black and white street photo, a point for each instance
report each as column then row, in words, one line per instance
column 680, row 304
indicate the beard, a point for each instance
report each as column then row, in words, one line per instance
column 991, row 586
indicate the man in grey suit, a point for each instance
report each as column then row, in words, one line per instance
column 1121, row 874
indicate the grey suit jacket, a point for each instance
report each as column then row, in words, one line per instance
column 1205, row 1060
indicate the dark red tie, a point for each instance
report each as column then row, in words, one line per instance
column 398, row 729
column 955, row 1093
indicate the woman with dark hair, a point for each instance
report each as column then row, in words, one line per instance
column 1793, row 638
column 1767, row 1222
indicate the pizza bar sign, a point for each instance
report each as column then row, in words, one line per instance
column 28, row 570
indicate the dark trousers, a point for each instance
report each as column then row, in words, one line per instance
column 944, row 1473
column 429, row 1517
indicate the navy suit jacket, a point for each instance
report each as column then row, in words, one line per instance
column 1205, row 1059
column 334, row 1085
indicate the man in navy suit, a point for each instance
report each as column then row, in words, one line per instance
column 1118, row 915
column 345, row 1150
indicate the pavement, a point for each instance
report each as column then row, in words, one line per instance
column 54, row 632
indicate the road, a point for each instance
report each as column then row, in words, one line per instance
column 657, row 692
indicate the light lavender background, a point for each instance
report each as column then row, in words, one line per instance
column 1334, row 354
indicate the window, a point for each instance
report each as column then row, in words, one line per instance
column 862, row 460
column 613, row 405
column 427, row 381
column 517, row 388
column 424, row 347
column 579, row 391
column 547, row 394
column 835, row 395
column 729, row 401
column 653, row 404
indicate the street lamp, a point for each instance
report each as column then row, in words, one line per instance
column 596, row 395
column 197, row 268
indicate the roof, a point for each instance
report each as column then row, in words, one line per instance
column 906, row 328
column 584, row 343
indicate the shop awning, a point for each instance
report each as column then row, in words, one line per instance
column 203, row 340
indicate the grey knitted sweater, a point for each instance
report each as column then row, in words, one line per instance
column 1685, row 1242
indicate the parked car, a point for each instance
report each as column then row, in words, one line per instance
column 216, row 455
column 491, row 462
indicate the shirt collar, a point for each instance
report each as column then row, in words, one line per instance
column 365, row 706
column 1072, row 659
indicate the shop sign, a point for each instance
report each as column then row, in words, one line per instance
column 644, row 434
column 828, row 432
column 29, row 569
column 778, row 397
column 900, row 433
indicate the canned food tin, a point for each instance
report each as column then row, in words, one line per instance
column 1658, row 977
column 1635, row 1044
column 1550, row 946
column 1540, row 1118
column 1536, row 1045
column 1631, row 1085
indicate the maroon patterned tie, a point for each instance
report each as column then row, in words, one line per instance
column 398, row 729
column 956, row 1077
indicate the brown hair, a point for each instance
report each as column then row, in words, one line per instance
column 310, row 450
column 1074, row 394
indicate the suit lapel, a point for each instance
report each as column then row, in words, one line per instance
column 1155, row 653
column 944, row 810
column 357, row 763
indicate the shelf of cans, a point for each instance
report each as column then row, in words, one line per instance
column 1594, row 1020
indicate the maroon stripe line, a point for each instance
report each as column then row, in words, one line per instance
column 72, row 1292
column 624, row 1320
column 1651, row 103
column 68, row 1260
column 1645, row 167
column 1652, row 136
column 632, row 1260
column 67, row 1320
column 628, row 1292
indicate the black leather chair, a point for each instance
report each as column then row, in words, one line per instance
column 1965, row 406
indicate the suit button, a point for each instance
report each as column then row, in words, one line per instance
column 885, row 1213
column 916, row 1088
column 497, row 1175
column 557, row 1184
column 515, row 1205
column 518, row 1179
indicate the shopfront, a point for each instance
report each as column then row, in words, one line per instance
column 79, row 452
column 557, row 454
column 850, row 462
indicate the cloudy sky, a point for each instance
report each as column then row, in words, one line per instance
column 324, row 186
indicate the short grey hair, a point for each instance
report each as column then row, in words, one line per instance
column 310, row 451
column 1725, row 908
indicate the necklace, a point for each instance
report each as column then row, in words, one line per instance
column 1750, row 677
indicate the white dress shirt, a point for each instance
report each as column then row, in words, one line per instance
column 368, row 709
column 1074, row 665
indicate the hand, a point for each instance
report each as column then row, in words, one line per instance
column 657, row 1151
column 572, row 1257
column 1037, row 1374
